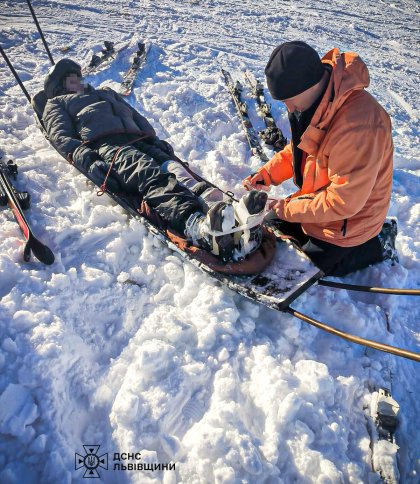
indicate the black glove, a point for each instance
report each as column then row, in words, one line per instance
column 164, row 146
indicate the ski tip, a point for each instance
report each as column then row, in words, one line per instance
column 43, row 253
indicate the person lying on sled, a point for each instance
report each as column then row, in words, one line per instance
column 94, row 128
column 340, row 157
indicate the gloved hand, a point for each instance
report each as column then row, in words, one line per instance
column 164, row 146
column 255, row 181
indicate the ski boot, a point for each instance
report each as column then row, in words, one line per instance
column 95, row 61
column 249, row 216
column 109, row 47
column 212, row 231
column 230, row 231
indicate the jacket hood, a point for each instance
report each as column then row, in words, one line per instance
column 348, row 74
column 53, row 84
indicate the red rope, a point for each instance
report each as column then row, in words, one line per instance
column 102, row 188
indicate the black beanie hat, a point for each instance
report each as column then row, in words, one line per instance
column 293, row 67
column 53, row 82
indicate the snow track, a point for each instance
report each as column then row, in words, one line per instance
column 177, row 367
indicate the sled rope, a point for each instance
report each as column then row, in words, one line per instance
column 355, row 339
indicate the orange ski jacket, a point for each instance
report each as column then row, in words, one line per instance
column 347, row 178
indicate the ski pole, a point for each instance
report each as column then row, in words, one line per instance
column 12, row 69
column 40, row 31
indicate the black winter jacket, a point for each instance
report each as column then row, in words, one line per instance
column 73, row 120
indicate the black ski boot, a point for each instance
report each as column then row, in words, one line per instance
column 387, row 238
column 109, row 47
column 95, row 61
column 255, row 201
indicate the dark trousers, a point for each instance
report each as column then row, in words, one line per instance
column 137, row 169
column 332, row 259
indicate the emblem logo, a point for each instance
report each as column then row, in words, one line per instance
column 91, row 461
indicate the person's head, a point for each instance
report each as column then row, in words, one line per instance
column 73, row 83
column 295, row 75
column 65, row 77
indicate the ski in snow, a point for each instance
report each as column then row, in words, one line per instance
column 16, row 201
column 24, row 199
column 130, row 76
column 271, row 135
column 235, row 90
column 383, row 422
column 108, row 53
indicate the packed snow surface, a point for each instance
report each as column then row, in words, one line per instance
column 177, row 367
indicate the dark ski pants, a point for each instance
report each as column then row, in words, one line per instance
column 139, row 172
column 332, row 259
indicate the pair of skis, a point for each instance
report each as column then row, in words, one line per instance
column 271, row 135
column 18, row 201
column 108, row 53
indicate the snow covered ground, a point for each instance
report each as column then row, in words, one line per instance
column 177, row 367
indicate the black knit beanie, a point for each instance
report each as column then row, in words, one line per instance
column 293, row 67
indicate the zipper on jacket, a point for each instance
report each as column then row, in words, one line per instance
column 344, row 228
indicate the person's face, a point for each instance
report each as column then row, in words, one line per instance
column 74, row 83
column 301, row 102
